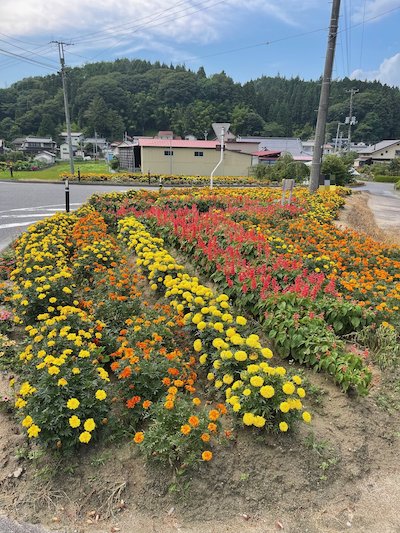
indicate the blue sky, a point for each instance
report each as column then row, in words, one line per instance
column 245, row 38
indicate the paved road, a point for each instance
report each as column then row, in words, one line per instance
column 384, row 202
column 22, row 204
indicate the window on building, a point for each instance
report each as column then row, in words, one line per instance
column 397, row 153
column 168, row 152
column 198, row 154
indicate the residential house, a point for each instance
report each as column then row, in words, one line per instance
column 77, row 139
column 182, row 157
column 2, row 146
column 34, row 145
column 382, row 152
column 284, row 145
column 165, row 135
column 308, row 146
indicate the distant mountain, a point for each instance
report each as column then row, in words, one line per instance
column 141, row 98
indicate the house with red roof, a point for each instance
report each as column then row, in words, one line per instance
column 183, row 157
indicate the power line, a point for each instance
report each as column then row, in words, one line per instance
column 25, row 50
column 24, row 58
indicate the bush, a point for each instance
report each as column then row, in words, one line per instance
column 386, row 179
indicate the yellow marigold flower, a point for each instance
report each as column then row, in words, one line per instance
column 283, row 426
column 84, row 353
column 253, row 341
column 248, row 419
column 227, row 379
column 74, row 421
column 73, row 403
column 238, row 383
column 218, row 343
column 280, row 370
column 210, row 376
column 284, row 407
column 241, row 320
column 153, row 286
column 288, row 387
column 297, row 379
column 253, row 369
column 89, row 424
column 27, row 421
column 218, row 383
column 257, row 381
column 259, row 421
column 203, row 359
column 53, row 370
column 62, row 382
column 101, row 394
column 169, row 405
column 139, row 437
column 201, row 325
column 196, row 401
column 267, row 391
column 236, row 407
column 301, row 392
column 67, row 290
column 237, row 339
column 306, row 417
column 240, row 355
column 76, row 370
column 197, row 345
column 85, row 437
column 20, row 403
column 267, row 353
column 33, row 431
column 247, row 392
column 217, row 364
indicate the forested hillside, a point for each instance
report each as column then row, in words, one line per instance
column 141, row 98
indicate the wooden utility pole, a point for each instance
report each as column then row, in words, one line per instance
column 324, row 98
column 66, row 105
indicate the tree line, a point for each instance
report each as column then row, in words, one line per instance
column 142, row 98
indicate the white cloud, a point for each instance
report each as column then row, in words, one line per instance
column 374, row 10
column 388, row 72
column 201, row 20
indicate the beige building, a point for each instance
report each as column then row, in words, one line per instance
column 382, row 152
column 190, row 158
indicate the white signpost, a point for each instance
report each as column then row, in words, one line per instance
column 220, row 128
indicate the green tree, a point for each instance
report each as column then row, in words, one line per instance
column 334, row 168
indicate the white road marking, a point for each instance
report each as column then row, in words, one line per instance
column 17, row 225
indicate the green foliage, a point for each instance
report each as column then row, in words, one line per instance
column 336, row 169
column 114, row 163
column 174, row 436
column 383, row 343
column 386, row 179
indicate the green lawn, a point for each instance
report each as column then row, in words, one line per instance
column 53, row 173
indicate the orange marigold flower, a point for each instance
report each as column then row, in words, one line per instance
column 205, row 437
column 132, row 402
column 123, row 332
column 178, row 383
column 222, row 408
column 146, row 404
column 172, row 390
column 127, row 371
column 213, row 415
column 114, row 366
column 186, row 429
column 139, row 437
column 212, row 427
column 207, row 455
column 194, row 421
column 173, row 371
column 169, row 405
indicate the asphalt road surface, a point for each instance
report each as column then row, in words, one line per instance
column 22, row 204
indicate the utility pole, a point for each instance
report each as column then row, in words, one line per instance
column 324, row 98
column 66, row 105
column 350, row 120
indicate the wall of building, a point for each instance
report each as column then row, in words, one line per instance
column 387, row 153
column 183, row 161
